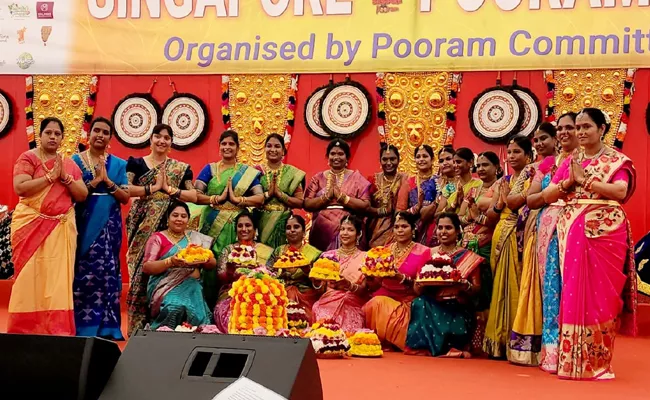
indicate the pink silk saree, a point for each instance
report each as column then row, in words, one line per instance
column 597, row 264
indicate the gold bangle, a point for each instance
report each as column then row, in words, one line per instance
column 241, row 200
column 346, row 199
column 48, row 178
column 213, row 199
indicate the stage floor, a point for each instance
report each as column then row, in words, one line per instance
column 396, row 376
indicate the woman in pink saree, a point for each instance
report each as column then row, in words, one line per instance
column 343, row 300
column 596, row 253
column 389, row 311
column 333, row 194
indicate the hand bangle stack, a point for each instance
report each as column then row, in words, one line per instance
column 346, row 199
column 168, row 262
column 49, row 178
column 266, row 195
column 496, row 210
column 147, row 190
column 481, row 219
column 242, row 201
column 68, row 180
column 112, row 189
column 213, row 200
column 561, row 187
column 588, row 183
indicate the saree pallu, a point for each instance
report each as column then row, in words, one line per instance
column 442, row 326
column 343, row 306
column 473, row 184
column 379, row 230
column 147, row 216
column 548, row 259
column 218, row 222
column 227, row 276
column 599, row 278
column 389, row 311
column 272, row 218
column 408, row 198
column 175, row 296
column 296, row 280
column 98, row 280
column 44, row 242
column 506, row 269
column 324, row 233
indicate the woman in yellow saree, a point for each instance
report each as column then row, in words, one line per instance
column 155, row 180
column 296, row 280
column 505, row 258
column 44, row 237
column 283, row 186
column 464, row 182
column 225, row 188
column 526, row 337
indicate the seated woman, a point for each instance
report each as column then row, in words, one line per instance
column 226, row 272
column 442, row 317
column 296, row 280
column 174, row 290
column 389, row 311
column 343, row 300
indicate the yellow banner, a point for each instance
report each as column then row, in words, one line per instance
column 274, row 36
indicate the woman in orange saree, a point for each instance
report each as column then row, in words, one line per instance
column 596, row 253
column 44, row 237
column 389, row 311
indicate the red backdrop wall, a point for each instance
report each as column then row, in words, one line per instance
column 308, row 152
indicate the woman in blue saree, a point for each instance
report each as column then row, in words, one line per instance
column 97, row 285
column 174, row 289
column 225, row 188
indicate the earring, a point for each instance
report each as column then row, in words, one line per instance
column 359, row 240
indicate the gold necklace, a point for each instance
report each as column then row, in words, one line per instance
column 92, row 167
column 338, row 176
column 401, row 254
column 175, row 236
column 347, row 252
column 584, row 157
column 452, row 251
column 270, row 171
column 41, row 156
column 382, row 194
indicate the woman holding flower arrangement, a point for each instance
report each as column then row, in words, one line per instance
column 343, row 300
column 389, row 311
column 442, row 317
column 245, row 252
column 224, row 188
column 172, row 260
column 283, row 187
column 296, row 279
column 333, row 194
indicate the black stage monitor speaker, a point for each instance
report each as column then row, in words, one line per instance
column 55, row 367
column 174, row 365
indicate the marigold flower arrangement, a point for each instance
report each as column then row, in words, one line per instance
column 326, row 269
column 292, row 258
column 380, row 262
column 365, row 343
column 258, row 300
column 328, row 340
column 242, row 256
column 194, row 254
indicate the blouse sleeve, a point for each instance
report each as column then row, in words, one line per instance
column 152, row 249
column 562, row 172
column 313, row 188
column 132, row 171
column 621, row 176
column 186, row 182
column 205, row 175
column 24, row 166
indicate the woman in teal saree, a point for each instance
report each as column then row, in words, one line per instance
column 283, row 190
column 225, row 188
column 174, row 290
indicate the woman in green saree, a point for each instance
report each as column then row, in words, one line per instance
column 296, row 280
column 174, row 291
column 225, row 188
column 283, row 190
column 155, row 180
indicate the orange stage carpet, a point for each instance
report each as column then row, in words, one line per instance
column 396, row 376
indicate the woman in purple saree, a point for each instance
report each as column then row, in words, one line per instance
column 333, row 194
column 596, row 253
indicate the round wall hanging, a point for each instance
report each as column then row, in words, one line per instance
column 312, row 114
column 187, row 115
column 134, row 118
column 6, row 115
column 345, row 109
column 532, row 109
column 496, row 114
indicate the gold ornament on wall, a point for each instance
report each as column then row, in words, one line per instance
column 258, row 107
column 600, row 88
column 63, row 97
column 416, row 113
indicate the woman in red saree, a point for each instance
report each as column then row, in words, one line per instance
column 343, row 300
column 333, row 194
column 44, row 237
column 389, row 311
column 596, row 253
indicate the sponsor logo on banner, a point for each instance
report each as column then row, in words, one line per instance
column 25, row 60
column 386, row 6
column 3, row 63
column 44, row 9
column 21, row 35
column 19, row 11
column 4, row 38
